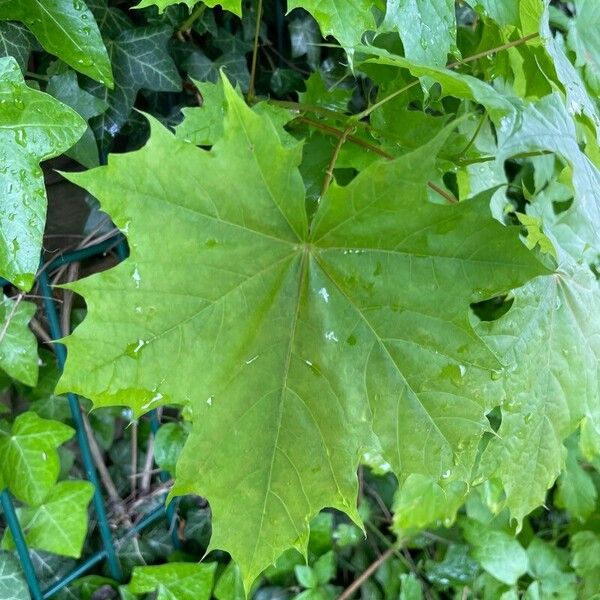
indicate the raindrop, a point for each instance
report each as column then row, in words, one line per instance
column 330, row 336
column 251, row 360
column 324, row 294
column 209, row 400
column 446, row 474
column 137, row 278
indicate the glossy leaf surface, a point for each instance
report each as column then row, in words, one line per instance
column 65, row 28
column 33, row 127
column 332, row 332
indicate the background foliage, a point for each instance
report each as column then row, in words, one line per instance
column 362, row 237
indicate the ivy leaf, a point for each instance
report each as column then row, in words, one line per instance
column 427, row 28
column 18, row 345
column 33, row 127
column 65, row 87
column 586, row 561
column 553, row 322
column 499, row 553
column 346, row 21
column 311, row 341
column 16, row 41
column 140, row 61
column 175, row 581
column 65, row 28
column 12, row 582
column 29, row 460
column 584, row 39
column 234, row 6
column 168, row 443
column 59, row 524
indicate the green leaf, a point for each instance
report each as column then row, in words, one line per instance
column 33, row 127
column 576, row 490
column 504, row 12
column 584, row 39
column 203, row 125
column 175, row 581
column 59, row 524
column 18, row 345
column 452, row 83
column 411, row 587
column 547, row 125
column 234, row 6
column 325, row 567
column 12, row 582
column 313, row 340
column 28, row 456
column 67, row 29
column 65, row 87
column 422, row 501
column 497, row 552
column 457, row 568
column 586, row 560
column 140, row 61
column 578, row 99
column 306, row 577
column 16, row 41
column 168, row 443
column 346, row 21
column 230, row 585
column 427, row 28
column 553, row 321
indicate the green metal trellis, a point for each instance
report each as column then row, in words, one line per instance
column 108, row 551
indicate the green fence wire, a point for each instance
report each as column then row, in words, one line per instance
column 109, row 544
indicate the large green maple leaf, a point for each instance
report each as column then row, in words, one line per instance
column 297, row 346
column 33, row 127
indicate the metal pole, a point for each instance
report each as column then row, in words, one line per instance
column 15, row 528
column 86, row 455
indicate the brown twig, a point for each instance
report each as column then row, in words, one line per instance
column 10, row 315
column 65, row 315
column 334, row 157
column 251, row 91
column 146, row 474
column 41, row 333
column 355, row 585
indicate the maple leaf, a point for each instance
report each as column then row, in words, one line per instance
column 297, row 345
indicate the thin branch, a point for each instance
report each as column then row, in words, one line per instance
column 148, row 464
column 351, row 138
column 251, row 90
column 442, row 192
column 41, row 333
column 485, row 53
column 355, row 585
column 10, row 315
column 65, row 315
column 334, row 157
column 134, row 458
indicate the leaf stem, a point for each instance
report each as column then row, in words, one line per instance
column 251, row 90
column 194, row 16
column 334, row 157
column 452, row 65
column 495, row 50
